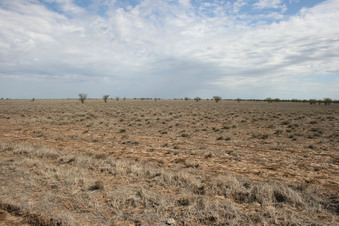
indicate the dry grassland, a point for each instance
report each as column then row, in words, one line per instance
column 139, row 162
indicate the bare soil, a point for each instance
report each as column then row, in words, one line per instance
column 143, row 162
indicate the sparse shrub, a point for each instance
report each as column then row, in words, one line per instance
column 117, row 98
column 191, row 164
column 327, row 101
column 278, row 131
column 184, row 202
column 312, row 101
column 269, row 100
column 100, row 156
column 184, row 135
column 260, row 135
column 238, row 100
column 295, row 100
column 105, row 97
column 82, row 97
column 197, row 99
column 98, row 185
column 217, row 98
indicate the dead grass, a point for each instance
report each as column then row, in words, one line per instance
column 84, row 189
column 133, row 164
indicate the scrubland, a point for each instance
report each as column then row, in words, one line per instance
column 139, row 162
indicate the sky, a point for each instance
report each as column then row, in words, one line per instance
column 169, row 48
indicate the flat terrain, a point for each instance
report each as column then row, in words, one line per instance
column 139, row 162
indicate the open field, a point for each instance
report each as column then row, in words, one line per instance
column 139, row 162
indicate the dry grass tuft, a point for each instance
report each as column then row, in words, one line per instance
column 33, row 179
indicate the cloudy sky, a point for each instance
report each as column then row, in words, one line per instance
column 169, row 48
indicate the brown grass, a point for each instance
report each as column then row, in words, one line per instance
column 63, row 162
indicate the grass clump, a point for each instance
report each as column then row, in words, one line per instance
column 98, row 185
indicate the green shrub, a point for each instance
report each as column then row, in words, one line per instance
column 217, row 98
column 105, row 97
column 327, row 101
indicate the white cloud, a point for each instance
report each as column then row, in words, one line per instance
column 264, row 4
column 159, row 48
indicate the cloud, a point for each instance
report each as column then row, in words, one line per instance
column 267, row 4
column 167, row 48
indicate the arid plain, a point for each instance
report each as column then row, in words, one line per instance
column 144, row 162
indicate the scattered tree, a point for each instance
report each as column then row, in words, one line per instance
column 269, row 100
column 197, row 99
column 312, row 101
column 327, row 101
column 117, row 98
column 238, row 99
column 82, row 97
column 186, row 98
column 105, row 97
column 124, row 98
column 33, row 99
column 217, row 98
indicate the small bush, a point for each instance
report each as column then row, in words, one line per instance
column 105, row 97
column 312, row 101
column 327, row 101
column 197, row 99
column 82, row 97
column 217, row 98
column 98, row 185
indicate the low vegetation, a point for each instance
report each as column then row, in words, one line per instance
column 82, row 97
column 141, row 162
column 105, row 97
column 217, row 98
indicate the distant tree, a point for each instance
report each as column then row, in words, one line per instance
column 105, row 97
column 186, row 98
column 217, row 98
column 117, row 98
column 327, row 101
column 277, row 100
column 312, row 101
column 295, row 100
column 269, row 100
column 82, row 97
column 238, row 99
column 33, row 99
column 197, row 99
column 124, row 98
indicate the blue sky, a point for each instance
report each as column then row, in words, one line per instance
column 169, row 48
